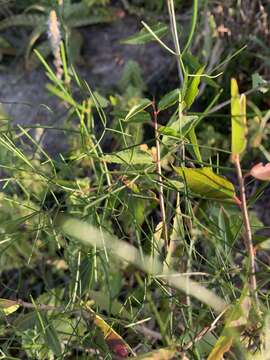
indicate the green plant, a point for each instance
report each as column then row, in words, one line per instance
column 149, row 6
column 144, row 249
column 70, row 16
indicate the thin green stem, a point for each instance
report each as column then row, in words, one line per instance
column 193, row 26
column 180, row 65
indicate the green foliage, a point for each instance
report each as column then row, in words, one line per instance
column 143, row 36
column 154, row 5
column 206, row 183
column 131, row 81
column 135, row 238
column 193, row 88
column 238, row 113
column 71, row 16
column 169, row 99
column 130, row 157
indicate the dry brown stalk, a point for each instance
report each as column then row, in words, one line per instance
column 247, row 228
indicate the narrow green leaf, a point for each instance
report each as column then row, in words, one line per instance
column 129, row 156
column 194, row 64
column 178, row 128
column 25, row 20
column 206, row 183
column 50, row 72
column 49, row 333
column 33, row 38
column 101, row 100
column 143, row 104
column 10, row 146
column 104, row 302
column 44, row 49
column 169, row 131
column 193, row 88
column 143, row 36
column 194, row 144
column 63, row 95
column 238, row 120
column 175, row 184
column 86, row 20
column 141, row 117
column 169, row 99
column 25, row 321
column 224, row 225
column 53, row 341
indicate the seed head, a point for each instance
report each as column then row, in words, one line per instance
column 54, row 33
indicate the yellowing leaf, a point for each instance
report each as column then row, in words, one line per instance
column 114, row 341
column 161, row 354
column 238, row 120
column 206, row 183
column 237, row 318
column 8, row 306
column 223, row 345
column 239, row 314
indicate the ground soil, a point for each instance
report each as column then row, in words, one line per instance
column 26, row 101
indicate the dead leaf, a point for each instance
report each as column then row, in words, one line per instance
column 237, row 319
column 114, row 341
column 8, row 307
column 223, row 30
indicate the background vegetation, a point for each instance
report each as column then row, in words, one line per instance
column 148, row 236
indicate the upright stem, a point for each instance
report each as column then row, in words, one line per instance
column 248, row 233
column 173, row 27
column 160, row 180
